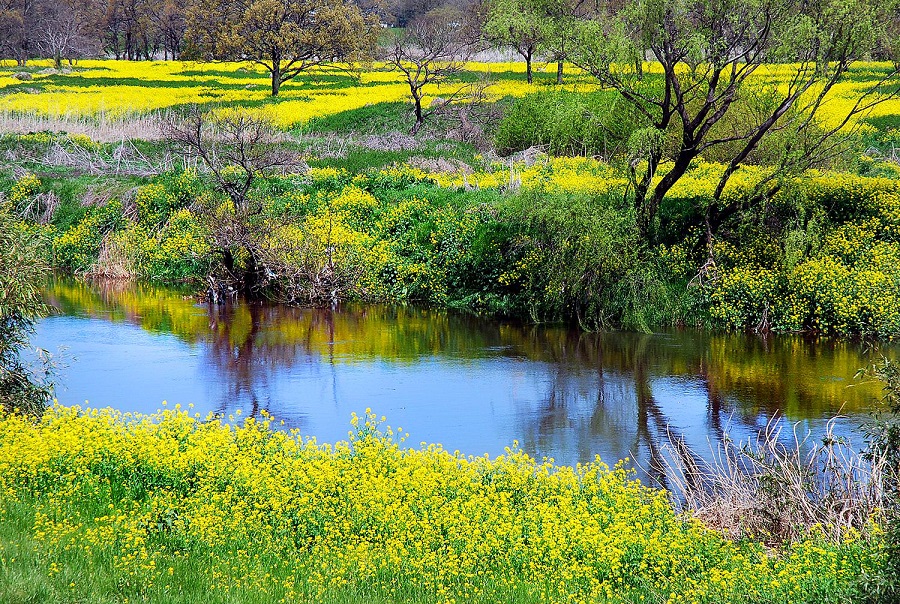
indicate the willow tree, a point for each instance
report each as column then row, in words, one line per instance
column 560, row 27
column 286, row 37
column 23, row 269
column 516, row 24
column 779, row 60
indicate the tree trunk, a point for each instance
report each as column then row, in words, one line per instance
column 559, row 72
column 647, row 213
column 420, row 116
column 641, row 191
column 276, row 77
column 250, row 281
column 528, row 67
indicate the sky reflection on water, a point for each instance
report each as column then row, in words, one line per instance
column 472, row 384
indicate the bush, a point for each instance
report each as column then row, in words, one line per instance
column 577, row 257
column 78, row 248
column 157, row 201
column 568, row 123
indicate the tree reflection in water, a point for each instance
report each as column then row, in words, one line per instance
column 480, row 383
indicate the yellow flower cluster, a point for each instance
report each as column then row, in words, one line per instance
column 849, row 287
column 118, row 89
column 565, row 174
column 77, row 248
column 24, row 188
column 240, row 507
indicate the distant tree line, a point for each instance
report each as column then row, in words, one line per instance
column 156, row 29
column 65, row 30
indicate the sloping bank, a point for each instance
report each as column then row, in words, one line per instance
column 552, row 242
column 98, row 506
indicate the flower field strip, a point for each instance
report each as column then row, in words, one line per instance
column 151, row 502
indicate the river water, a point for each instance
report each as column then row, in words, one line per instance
column 472, row 384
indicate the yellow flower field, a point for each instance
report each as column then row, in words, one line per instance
column 115, row 89
column 166, row 507
column 123, row 88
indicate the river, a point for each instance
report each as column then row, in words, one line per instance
column 472, row 384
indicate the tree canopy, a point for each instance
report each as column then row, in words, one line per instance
column 704, row 98
column 284, row 36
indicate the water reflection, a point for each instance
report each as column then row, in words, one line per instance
column 472, row 384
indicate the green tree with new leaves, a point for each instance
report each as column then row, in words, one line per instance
column 516, row 24
column 707, row 51
column 286, row 37
column 560, row 26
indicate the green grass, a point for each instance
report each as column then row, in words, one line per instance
column 381, row 117
column 30, row 573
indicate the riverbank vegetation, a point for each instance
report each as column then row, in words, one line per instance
column 700, row 164
column 547, row 240
column 730, row 183
column 24, row 387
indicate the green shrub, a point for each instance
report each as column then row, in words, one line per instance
column 576, row 257
column 157, row 201
column 77, row 249
column 568, row 123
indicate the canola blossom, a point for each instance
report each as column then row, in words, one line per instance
column 119, row 89
column 165, row 500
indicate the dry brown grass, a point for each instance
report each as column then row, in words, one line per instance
column 775, row 488
column 113, row 263
column 101, row 129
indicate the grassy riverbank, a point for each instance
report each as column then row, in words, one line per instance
column 550, row 241
column 105, row 507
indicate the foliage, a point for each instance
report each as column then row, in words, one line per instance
column 567, row 123
column 166, row 507
column 820, row 256
column 22, row 270
column 286, row 38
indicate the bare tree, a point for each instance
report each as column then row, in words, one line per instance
column 430, row 51
column 64, row 29
column 235, row 149
column 16, row 25
column 169, row 19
